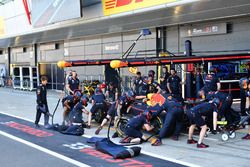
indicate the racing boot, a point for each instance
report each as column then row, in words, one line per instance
column 98, row 130
column 202, row 145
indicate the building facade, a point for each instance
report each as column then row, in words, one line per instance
column 104, row 31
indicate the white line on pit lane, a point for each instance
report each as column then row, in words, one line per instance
column 67, row 159
column 170, row 159
column 144, row 152
column 160, row 157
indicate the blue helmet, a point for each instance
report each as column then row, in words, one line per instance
column 84, row 100
column 98, row 90
column 130, row 95
column 77, row 94
column 244, row 82
column 216, row 101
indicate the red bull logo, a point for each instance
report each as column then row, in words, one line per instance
column 156, row 99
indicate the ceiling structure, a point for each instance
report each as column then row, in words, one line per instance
column 3, row 2
column 182, row 14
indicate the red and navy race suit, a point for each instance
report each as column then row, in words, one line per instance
column 163, row 83
column 73, row 84
column 211, row 81
column 124, row 103
column 99, row 102
column 173, row 117
column 205, row 109
column 243, row 89
column 112, row 93
column 144, row 89
column 70, row 101
column 174, row 83
column 225, row 106
column 134, row 126
column 152, row 87
column 41, row 94
column 75, row 115
column 138, row 85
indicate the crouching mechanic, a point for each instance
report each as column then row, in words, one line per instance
column 134, row 126
column 173, row 116
column 117, row 108
column 224, row 109
column 98, row 101
column 68, row 103
column 247, row 136
column 247, row 110
column 197, row 116
column 76, row 113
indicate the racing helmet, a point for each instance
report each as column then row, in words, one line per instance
column 244, row 83
column 130, row 95
column 77, row 94
column 98, row 90
column 84, row 100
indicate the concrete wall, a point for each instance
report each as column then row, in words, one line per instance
column 237, row 38
column 3, row 56
column 21, row 57
column 106, row 47
column 49, row 53
column 114, row 45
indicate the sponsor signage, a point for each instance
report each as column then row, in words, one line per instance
column 111, row 48
column 118, row 6
column 27, row 129
column 220, row 28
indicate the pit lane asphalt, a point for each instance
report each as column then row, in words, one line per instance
column 15, row 154
column 234, row 152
